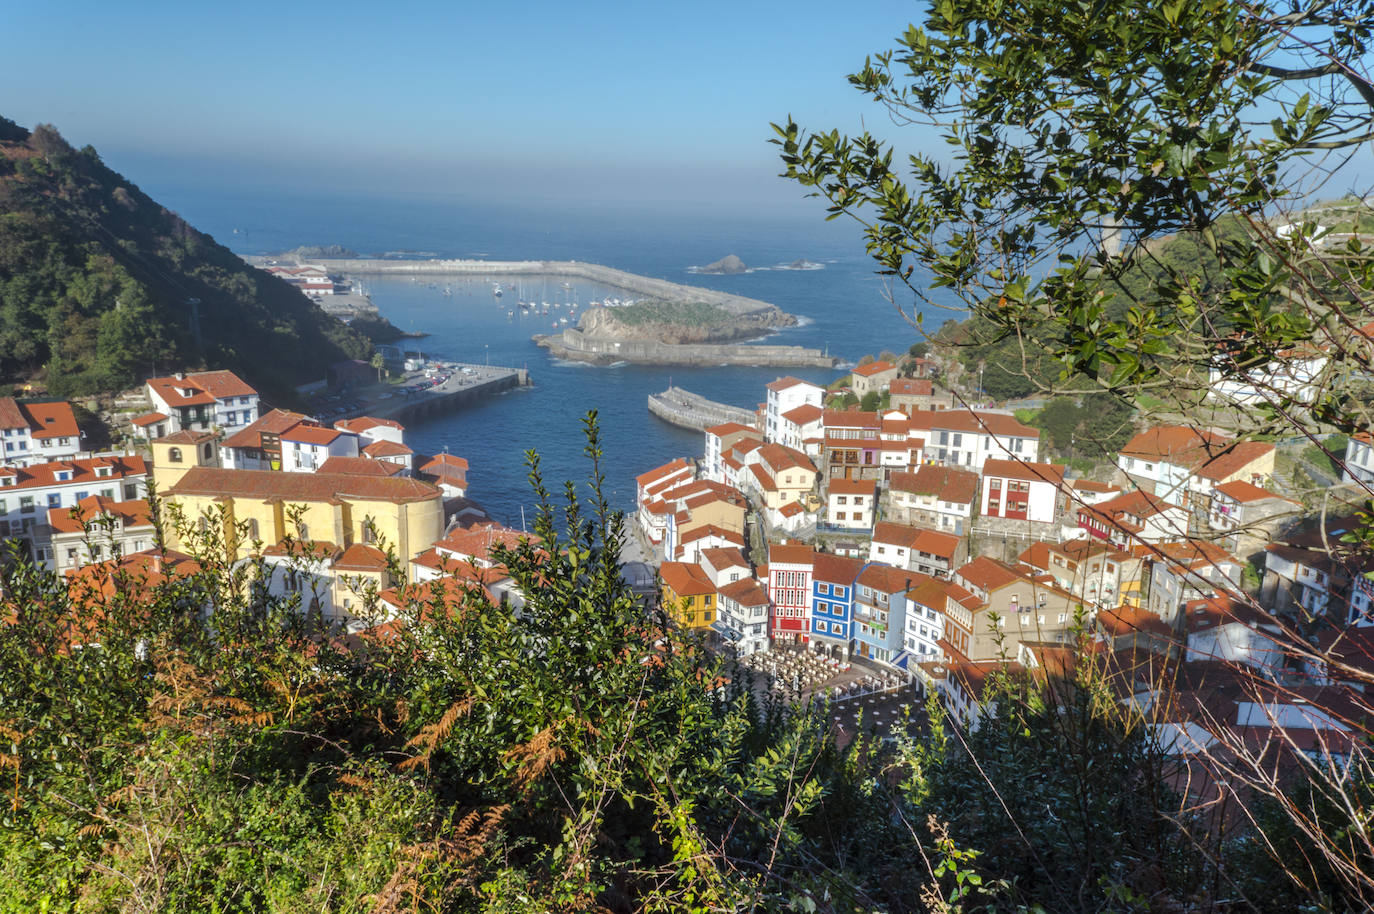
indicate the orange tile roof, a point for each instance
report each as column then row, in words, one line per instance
column 42, row 475
column 836, row 569
column 274, row 423
column 719, row 557
column 988, row 574
column 712, row 530
column 444, row 460
column 982, row 423
column 312, row 434
column 385, row 448
column 872, row 368
column 1244, row 492
column 171, row 392
column 804, row 414
column 911, row 387
column 10, row 414
column 363, row 423
column 842, row 486
column 887, row 579
column 745, row 592
column 940, row 545
column 221, row 384
column 686, row 580
column 945, row 483
column 300, row 487
column 141, row 421
column 728, row 428
column 186, row 436
column 52, row 419
column 361, row 557
column 645, row 479
column 851, row 418
column 1052, row 473
column 360, row 466
column 790, row 555
column 782, row 384
column 92, row 507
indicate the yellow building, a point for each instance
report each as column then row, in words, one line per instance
column 688, row 595
column 174, row 454
column 261, row 508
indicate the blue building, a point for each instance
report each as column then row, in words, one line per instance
column 880, row 611
column 832, row 602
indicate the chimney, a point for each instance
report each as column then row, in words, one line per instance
column 181, row 376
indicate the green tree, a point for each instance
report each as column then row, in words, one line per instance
column 378, row 362
column 871, row 401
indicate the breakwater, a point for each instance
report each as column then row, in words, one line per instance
column 688, row 410
column 575, row 345
column 499, row 269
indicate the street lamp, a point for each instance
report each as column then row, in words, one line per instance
column 486, row 347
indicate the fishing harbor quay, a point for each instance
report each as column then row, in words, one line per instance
column 693, row 411
column 427, row 393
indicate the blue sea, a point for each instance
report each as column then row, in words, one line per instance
column 844, row 308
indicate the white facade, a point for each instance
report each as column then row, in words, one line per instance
column 305, row 448
column 961, row 438
column 1289, row 379
column 27, row 494
column 1359, row 459
column 849, row 509
column 785, row 395
column 922, row 628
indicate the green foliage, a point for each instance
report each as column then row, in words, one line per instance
column 1096, row 427
column 871, row 401
column 96, row 280
column 687, row 313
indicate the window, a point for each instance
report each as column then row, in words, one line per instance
column 840, row 500
column 54, row 500
column 71, row 556
column 108, row 493
column 26, row 504
column 174, row 455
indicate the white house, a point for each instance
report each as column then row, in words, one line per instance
column 719, row 440
column 305, row 447
column 1021, row 491
column 1359, row 458
column 802, row 428
column 785, row 395
column 1291, row 378
column 967, row 438
column 202, row 400
column 37, row 432
column 942, row 498
column 851, row 503
column 97, row 529
column 28, row 493
column 742, row 615
column 1178, row 463
column 915, row 549
column 1232, row 630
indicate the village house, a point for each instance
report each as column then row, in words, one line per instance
column 1180, row 464
column 1014, row 605
column 652, row 512
column 1097, row 573
column 924, row 624
column 742, row 620
column 1017, row 490
column 311, row 279
column 688, row 596
column 790, row 571
column 803, row 428
column 97, row 528
column 719, row 440
column 1234, row 630
column 1134, row 517
column 785, row 395
column 852, row 444
column 448, row 472
column 900, row 445
column 967, row 438
column 1183, row 571
column 724, row 565
column 832, row 602
column 305, row 447
column 37, row 431
column 701, row 503
column 694, row 544
column 880, row 611
column 258, row 446
column 851, row 503
column 939, row 497
column 915, row 549
column 200, row 401
column 27, row 494
column 337, row 588
column 872, row 378
column 780, row 476
column 1247, row 516
column 910, row 394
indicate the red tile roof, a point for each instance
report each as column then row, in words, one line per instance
column 1207, row 454
column 92, row 507
column 842, row 486
column 782, row 384
column 1052, row 473
column 836, row 569
column 363, row 423
column 360, row 466
column 887, row 579
column 385, row 448
column 911, row 387
column 141, row 421
column 745, row 592
column 186, row 436
column 790, row 555
column 439, row 461
column 780, row 458
column 872, row 368
column 804, row 414
column 205, row 386
column 312, row 434
column 940, row 545
column 52, row 419
column 945, row 483
column 274, row 423
column 478, row 542
column 10, row 414
column 709, row 530
column 686, row 580
column 988, row 574
column 301, row 487
column 729, row 428
column 361, row 557
column 645, row 479
column 982, row 423
column 1243, row 492
column 221, row 384
column 81, row 472
column 719, row 557
column 851, row 418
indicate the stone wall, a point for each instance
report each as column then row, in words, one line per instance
column 573, row 344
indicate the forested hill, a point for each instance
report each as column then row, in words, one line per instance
column 96, row 280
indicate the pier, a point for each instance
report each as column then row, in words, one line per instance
column 468, row 383
column 688, row 410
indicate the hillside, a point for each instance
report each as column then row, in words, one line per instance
column 97, row 280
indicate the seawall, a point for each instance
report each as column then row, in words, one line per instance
column 497, row 269
column 573, row 344
column 688, row 410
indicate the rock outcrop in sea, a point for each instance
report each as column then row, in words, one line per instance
column 727, row 264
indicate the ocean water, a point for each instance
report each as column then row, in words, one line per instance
column 844, row 307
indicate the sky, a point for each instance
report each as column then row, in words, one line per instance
column 594, row 99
